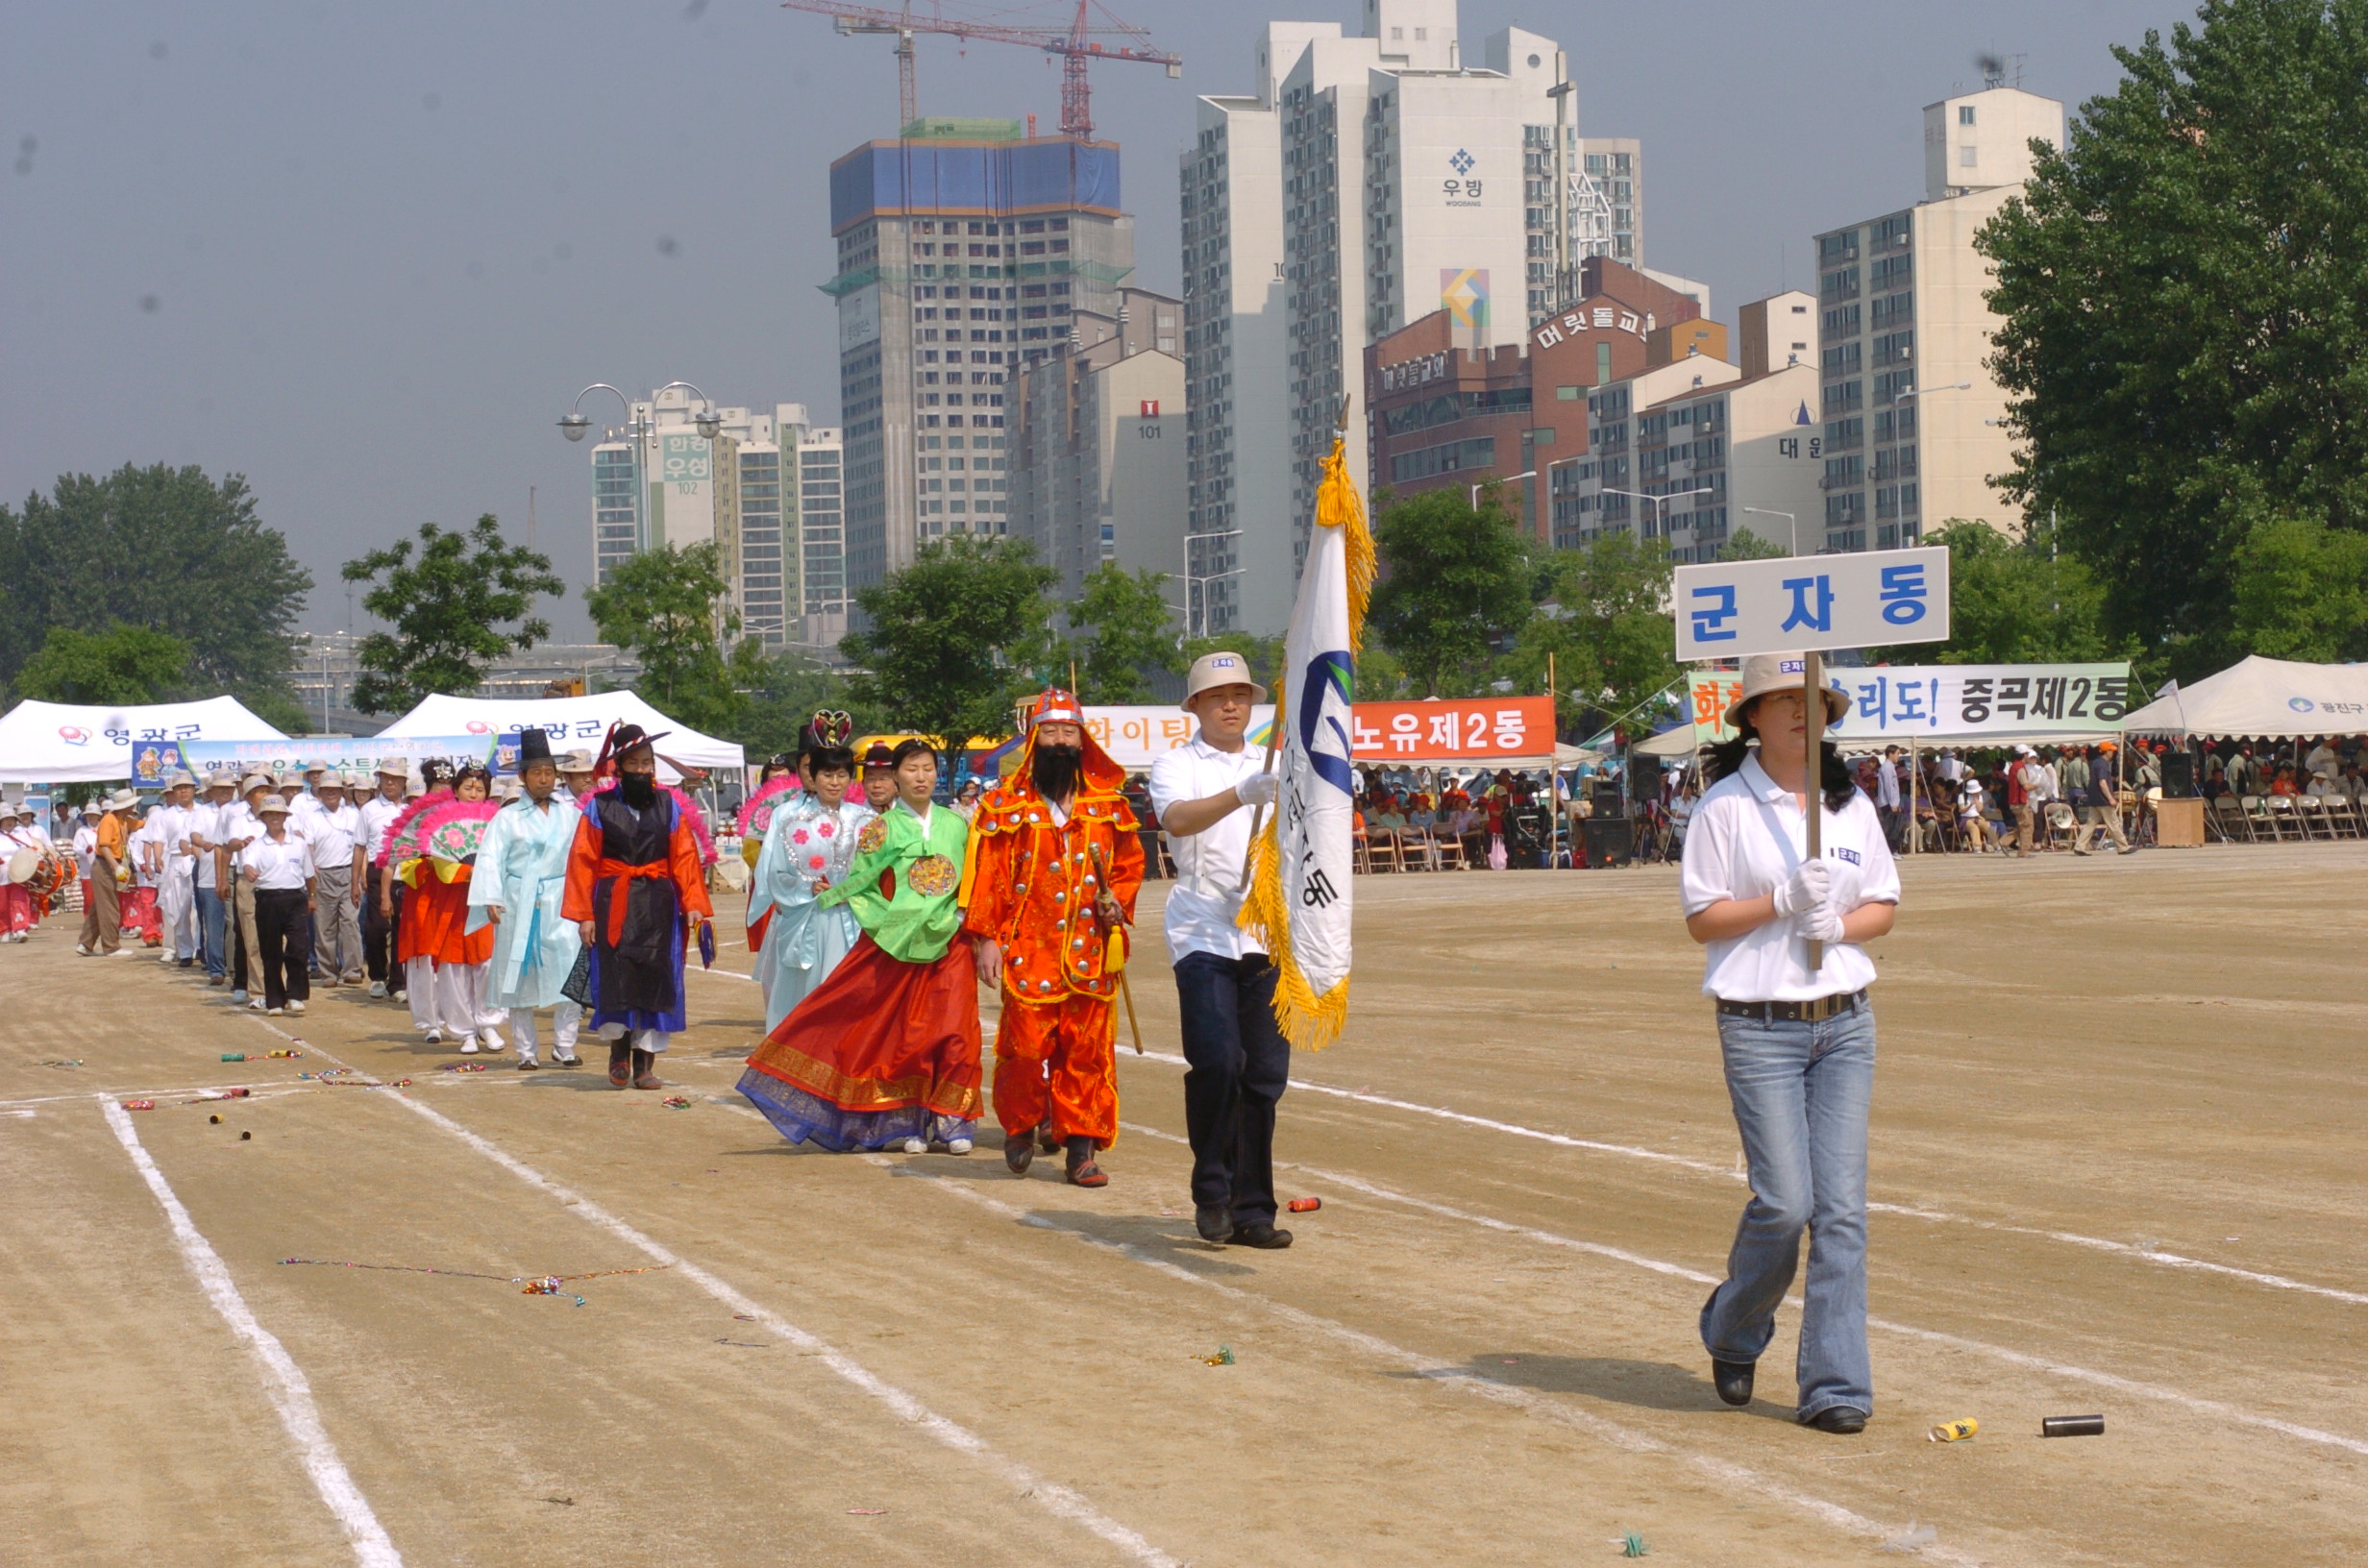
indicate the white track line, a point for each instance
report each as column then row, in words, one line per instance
column 1055, row 1499
column 2013, row 1358
column 291, row 1395
column 1529, row 1402
column 2093, row 1243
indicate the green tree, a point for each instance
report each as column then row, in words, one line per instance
column 1123, row 631
column 2302, row 591
column 782, row 691
column 464, row 601
column 2028, row 601
column 1605, row 620
column 122, row 664
column 671, row 609
column 955, row 638
column 2184, row 336
column 164, row 549
column 1744, row 545
column 1455, row 579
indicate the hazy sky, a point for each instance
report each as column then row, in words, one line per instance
column 366, row 254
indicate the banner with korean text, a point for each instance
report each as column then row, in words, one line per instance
column 1502, row 731
column 1947, row 703
column 1731, row 609
column 358, row 755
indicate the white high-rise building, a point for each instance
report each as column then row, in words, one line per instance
column 1365, row 183
column 818, row 485
column 1912, row 433
column 657, row 480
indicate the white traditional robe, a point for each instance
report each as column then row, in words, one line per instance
column 522, row 868
column 803, row 943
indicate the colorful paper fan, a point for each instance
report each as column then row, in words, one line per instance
column 402, row 833
column 756, row 811
column 453, row 831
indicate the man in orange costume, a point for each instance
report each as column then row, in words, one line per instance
column 1055, row 863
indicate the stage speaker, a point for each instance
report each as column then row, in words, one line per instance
column 1608, row 801
column 2178, row 775
column 1610, row 841
column 1644, row 784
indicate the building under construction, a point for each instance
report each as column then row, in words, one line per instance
column 966, row 249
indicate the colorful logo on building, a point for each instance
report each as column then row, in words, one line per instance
column 1464, row 292
column 1461, row 162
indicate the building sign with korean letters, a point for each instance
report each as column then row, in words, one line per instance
column 1407, row 373
column 1733, row 609
column 1617, row 318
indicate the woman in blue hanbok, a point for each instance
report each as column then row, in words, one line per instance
column 808, row 845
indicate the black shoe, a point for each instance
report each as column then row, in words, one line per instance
column 1839, row 1419
column 1018, row 1152
column 1260, row 1235
column 1215, row 1220
column 1733, row 1380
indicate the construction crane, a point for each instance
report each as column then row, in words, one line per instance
column 1075, row 48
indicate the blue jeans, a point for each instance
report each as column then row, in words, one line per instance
column 212, row 927
column 1800, row 1092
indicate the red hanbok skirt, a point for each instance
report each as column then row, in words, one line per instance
column 881, row 1050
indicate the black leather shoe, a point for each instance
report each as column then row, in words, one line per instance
column 1261, row 1235
column 1839, row 1419
column 1018, row 1152
column 1733, row 1378
column 1214, row 1220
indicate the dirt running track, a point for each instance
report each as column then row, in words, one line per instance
column 2116, row 1155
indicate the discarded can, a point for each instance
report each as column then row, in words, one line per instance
column 1304, row 1205
column 1955, row 1432
column 234, row 1056
column 216, row 1120
column 2072, row 1426
column 246, row 1137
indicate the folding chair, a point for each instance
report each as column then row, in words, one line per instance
column 2344, row 814
column 2227, row 815
column 2311, row 815
column 1383, row 850
column 2263, row 823
column 1360, row 858
column 1449, row 848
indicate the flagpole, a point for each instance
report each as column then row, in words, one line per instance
column 1274, row 725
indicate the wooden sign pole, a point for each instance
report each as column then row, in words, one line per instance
column 1813, row 720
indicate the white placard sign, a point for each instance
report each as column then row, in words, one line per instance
column 1732, row 609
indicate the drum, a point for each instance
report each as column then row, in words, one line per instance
column 23, row 865
column 54, row 873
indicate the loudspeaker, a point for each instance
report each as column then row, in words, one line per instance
column 1610, row 841
column 1607, row 798
column 2178, row 775
column 1644, row 784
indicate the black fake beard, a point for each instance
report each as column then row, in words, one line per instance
column 638, row 790
column 1055, row 771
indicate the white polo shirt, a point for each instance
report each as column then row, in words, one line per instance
column 1747, row 838
column 333, row 834
column 279, row 866
column 377, row 815
column 1207, row 894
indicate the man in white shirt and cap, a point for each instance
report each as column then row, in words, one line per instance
column 177, row 881
column 334, row 829
column 1240, row 1063
column 242, row 824
column 574, row 779
column 209, row 874
column 381, row 893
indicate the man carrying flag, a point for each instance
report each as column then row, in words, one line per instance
column 1277, row 970
column 1054, row 866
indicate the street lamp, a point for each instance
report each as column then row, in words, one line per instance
column 706, row 422
column 1509, row 478
column 1767, row 511
column 1191, row 583
column 1665, row 500
column 1913, row 391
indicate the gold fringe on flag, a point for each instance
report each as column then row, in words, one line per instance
column 1309, row 1022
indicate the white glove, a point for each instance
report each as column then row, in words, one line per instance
column 1820, row 922
column 1810, row 888
column 1260, row 789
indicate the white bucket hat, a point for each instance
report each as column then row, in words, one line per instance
column 1765, row 673
column 1213, row 669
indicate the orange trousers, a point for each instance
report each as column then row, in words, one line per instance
column 1057, row 1063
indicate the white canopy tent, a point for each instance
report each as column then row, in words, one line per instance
column 65, row 743
column 572, row 723
column 1669, row 742
column 2262, row 698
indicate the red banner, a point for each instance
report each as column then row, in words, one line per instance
column 1455, row 730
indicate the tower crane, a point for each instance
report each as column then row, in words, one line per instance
column 1076, row 48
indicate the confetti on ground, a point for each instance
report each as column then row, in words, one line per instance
column 868, row 1513
column 260, row 1056
column 462, row 1066
column 1222, row 1357
column 140, row 1105
column 531, row 1285
column 1632, row 1545
column 61, row 1062
column 675, row 1102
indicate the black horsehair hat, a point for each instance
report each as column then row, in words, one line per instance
column 533, row 745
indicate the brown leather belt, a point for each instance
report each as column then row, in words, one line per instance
column 1816, row 1010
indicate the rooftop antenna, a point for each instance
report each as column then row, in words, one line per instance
column 1993, row 71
